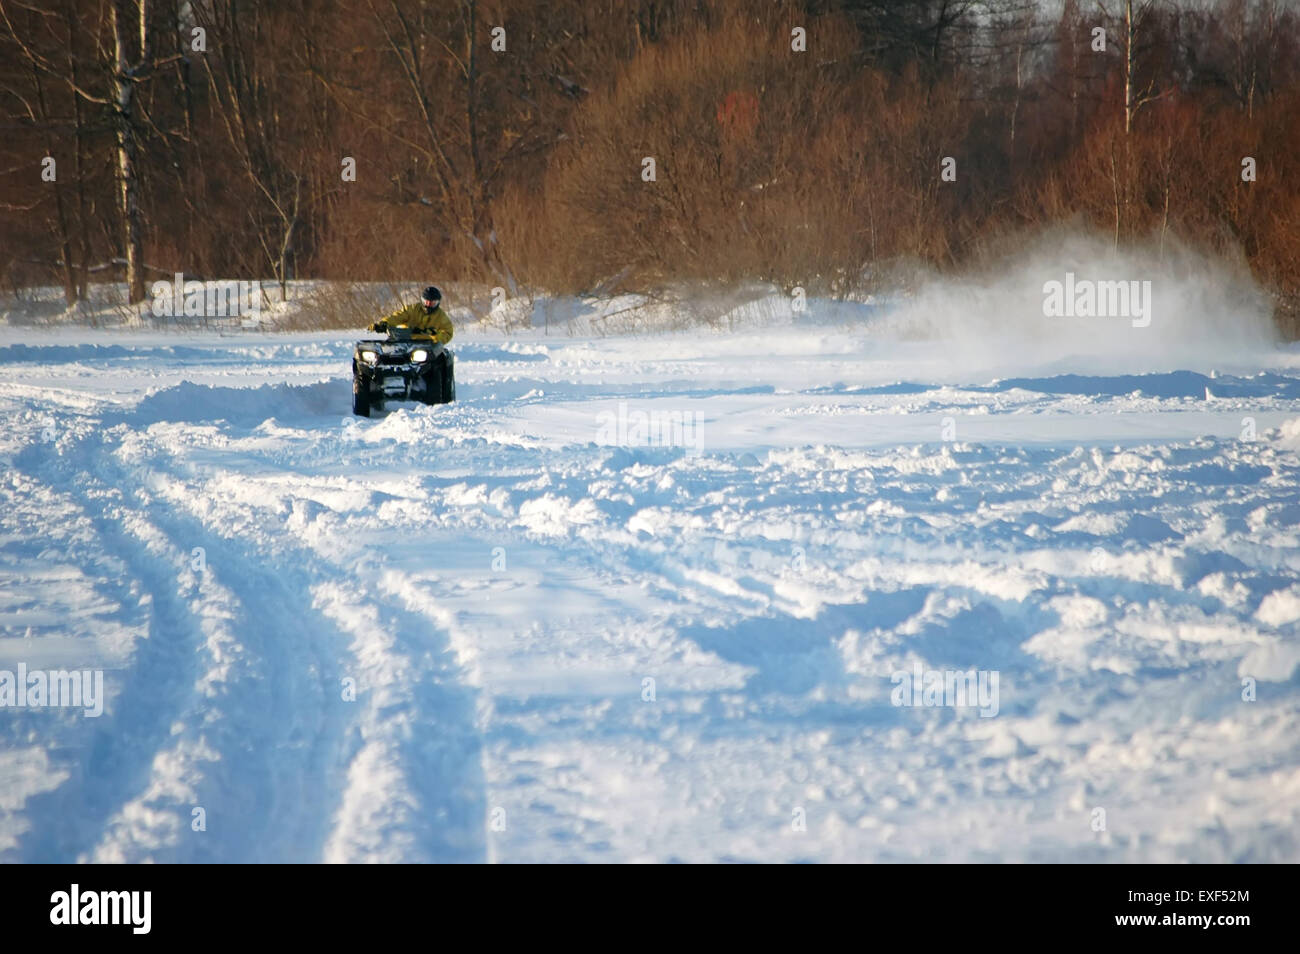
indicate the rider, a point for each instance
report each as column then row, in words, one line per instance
column 424, row 318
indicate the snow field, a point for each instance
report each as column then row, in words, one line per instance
column 564, row 649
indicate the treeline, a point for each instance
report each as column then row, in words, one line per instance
column 603, row 146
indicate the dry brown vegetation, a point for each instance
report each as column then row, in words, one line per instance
column 523, row 168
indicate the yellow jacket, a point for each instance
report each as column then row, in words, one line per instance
column 436, row 324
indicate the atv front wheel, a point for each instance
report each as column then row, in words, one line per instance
column 449, row 379
column 439, row 381
column 432, row 393
column 360, row 395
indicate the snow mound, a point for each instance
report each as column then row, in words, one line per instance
column 1280, row 608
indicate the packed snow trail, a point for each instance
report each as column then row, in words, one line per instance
column 510, row 629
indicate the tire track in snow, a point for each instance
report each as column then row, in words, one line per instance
column 422, row 731
column 78, row 793
column 160, row 686
column 213, row 750
column 415, row 789
column 409, row 779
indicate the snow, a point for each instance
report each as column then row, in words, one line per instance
column 569, row 648
column 1280, row 608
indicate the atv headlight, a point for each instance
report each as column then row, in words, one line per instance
column 369, row 357
column 419, row 354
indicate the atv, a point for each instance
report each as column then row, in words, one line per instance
column 401, row 367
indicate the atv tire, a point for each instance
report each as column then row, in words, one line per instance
column 360, row 395
column 448, row 379
column 439, row 383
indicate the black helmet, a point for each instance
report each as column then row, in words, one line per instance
column 431, row 297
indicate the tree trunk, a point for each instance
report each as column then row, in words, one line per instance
column 61, row 214
column 79, row 169
column 1114, row 184
column 128, row 179
column 1128, row 66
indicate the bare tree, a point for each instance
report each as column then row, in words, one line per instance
column 262, row 123
column 133, row 63
column 1135, row 18
column 38, row 112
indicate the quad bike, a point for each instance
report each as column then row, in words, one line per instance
column 402, row 367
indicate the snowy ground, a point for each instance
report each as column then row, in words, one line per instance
column 201, row 518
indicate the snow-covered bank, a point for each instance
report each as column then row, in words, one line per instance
column 643, row 598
